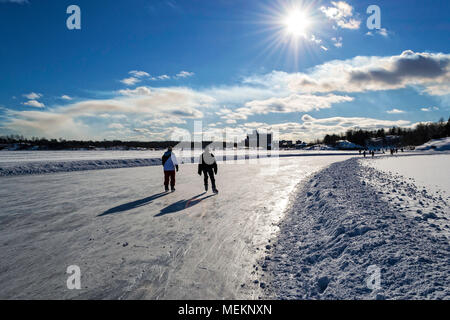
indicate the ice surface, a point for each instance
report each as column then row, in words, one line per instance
column 44, row 162
column 132, row 241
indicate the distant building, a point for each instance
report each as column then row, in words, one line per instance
column 259, row 140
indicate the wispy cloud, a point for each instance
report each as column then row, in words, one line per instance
column 184, row 74
column 429, row 109
column 139, row 74
column 130, row 81
column 382, row 31
column 136, row 77
column 34, row 103
column 395, row 111
column 32, row 95
column 342, row 14
column 337, row 41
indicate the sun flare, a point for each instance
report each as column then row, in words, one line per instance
column 297, row 23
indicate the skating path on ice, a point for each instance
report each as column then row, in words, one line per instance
column 131, row 241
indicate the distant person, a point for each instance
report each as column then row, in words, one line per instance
column 170, row 163
column 373, row 154
column 208, row 166
column 364, row 153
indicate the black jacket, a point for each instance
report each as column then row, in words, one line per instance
column 209, row 164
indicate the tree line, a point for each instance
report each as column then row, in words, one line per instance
column 418, row 135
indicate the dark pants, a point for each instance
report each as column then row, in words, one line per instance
column 209, row 172
column 169, row 175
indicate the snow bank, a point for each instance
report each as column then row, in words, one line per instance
column 349, row 220
column 437, row 145
column 13, row 169
column 43, row 163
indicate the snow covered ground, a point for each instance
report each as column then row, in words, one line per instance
column 132, row 241
column 429, row 171
column 353, row 222
column 437, row 145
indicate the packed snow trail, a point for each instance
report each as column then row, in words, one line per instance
column 131, row 241
column 350, row 217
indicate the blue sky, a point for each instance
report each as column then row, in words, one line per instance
column 146, row 70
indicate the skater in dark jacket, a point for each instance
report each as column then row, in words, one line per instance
column 208, row 166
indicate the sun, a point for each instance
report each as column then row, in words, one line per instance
column 297, row 23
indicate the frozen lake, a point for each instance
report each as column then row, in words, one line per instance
column 133, row 241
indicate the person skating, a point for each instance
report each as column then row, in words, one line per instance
column 170, row 163
column 208, row 166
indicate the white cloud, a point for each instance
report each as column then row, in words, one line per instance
column 116, row 126
column 383, row 32
column 139, row 91
column 163, row 105
column 429, row 109
column 395, row 111
column 184, row 74
column 163, row 121
column 341, row 13
column 32, row 96
column 139, row 74
column 337, row 41
column 430, row 71
column 289, row 104
column 34, row 103
column 66, row 97
column 136, row 77
column 130, row 81
column 294, row 103
column 161, row 77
